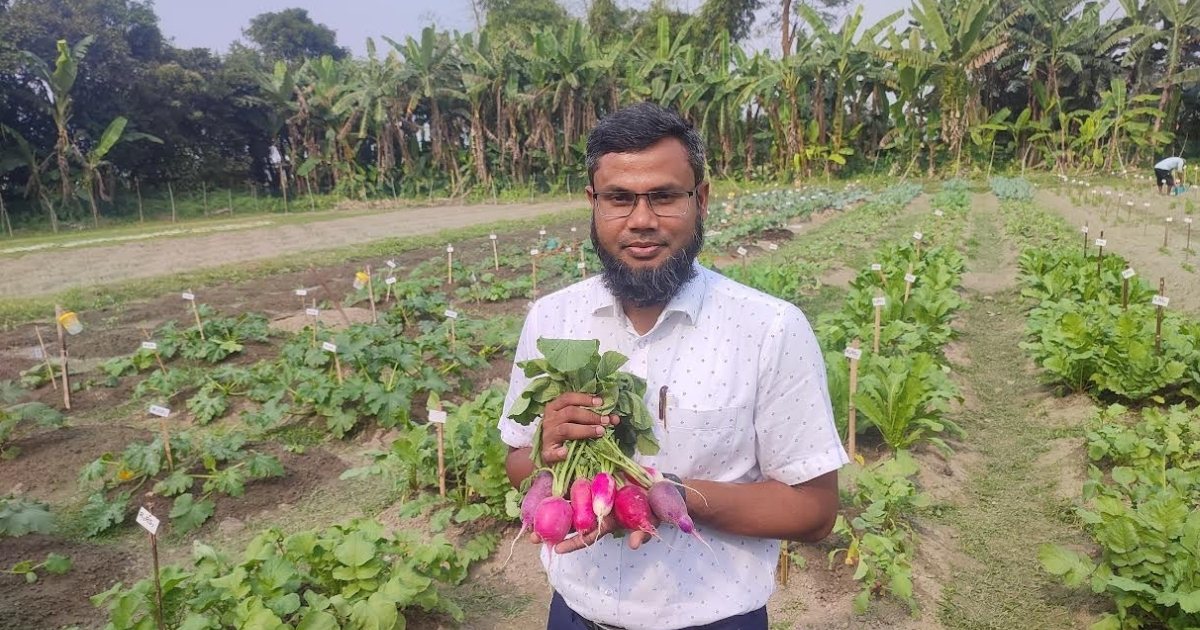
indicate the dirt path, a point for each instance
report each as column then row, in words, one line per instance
column 47, row 272
column 1019, row 470
column 1136, row 233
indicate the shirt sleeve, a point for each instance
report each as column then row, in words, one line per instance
column 793, row 419
column 511, row 432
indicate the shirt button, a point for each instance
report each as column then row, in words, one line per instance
column 608, row 592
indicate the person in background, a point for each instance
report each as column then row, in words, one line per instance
column 1164, row 174
column 751, row 430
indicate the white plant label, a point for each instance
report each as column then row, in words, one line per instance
column 876, row 267
column 302, row 292
column 148, row 521
column 1161, row 300
column 449, row 249
column 1128, row 273
column 938, row 213
column 533, row 252
column 391, row 264
column 773, row 247
column 581, row 265
column 909, row 278
column 741, row 251
column 189, row 296
column 1101, row 242
column 312, row 312
column 879, row 301
column 569, row 249
column 541, row 232
column 1187, row 220
column 329, row 346
column 573, row 230
column 492, row 236
column 724, row 221
column 1084, row 229
column 149, row 345
column 853, row 354
column 390, row 280
column 451, row 314
column 437, row 416
column 38, row 354
column 917, row 236
column 161, row 412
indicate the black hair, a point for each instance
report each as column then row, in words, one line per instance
column 637, row 127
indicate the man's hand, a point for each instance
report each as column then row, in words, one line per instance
column 566, row 418
column 608, row 525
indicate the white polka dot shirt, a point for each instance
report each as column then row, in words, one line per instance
column 747, row 401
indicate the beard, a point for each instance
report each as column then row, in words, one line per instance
column 653, row 286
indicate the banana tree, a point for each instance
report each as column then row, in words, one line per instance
column 55, row 87
column 93, row 161
column 21, row 154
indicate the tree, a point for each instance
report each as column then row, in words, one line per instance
column 292, row 36
column 509, row 16
column 735, row 17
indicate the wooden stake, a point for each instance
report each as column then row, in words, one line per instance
column 196, row 313
column 851, row 421
column 784, row 563
column 62, row 354
column 908, row 282
column 371, row 294
column 158, row 594
column 166, row 436
column 1085, row 239
column 1162, row 290
column 329, row 293
column 533, row 254
column 1100, row 255
column 171, row 196
column 141, row 216
column 46, row 356
column 158, row 357
column 582, row 263
column 314, row 321
column 438, row 420
column 449, row 264
column 1125, row 294
column 495, row 253
column 878, row 318
column 337, row 365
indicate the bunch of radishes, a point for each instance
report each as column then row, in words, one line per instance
column 553, row 518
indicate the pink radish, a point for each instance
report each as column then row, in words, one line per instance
column 581, row 501
column 604, row 492
column 632, row 508
column 667, row 504
column 539, row 490
column 552, row 521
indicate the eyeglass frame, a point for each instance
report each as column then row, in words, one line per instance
column 595, row 194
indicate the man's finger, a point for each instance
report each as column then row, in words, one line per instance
column 573, row 399
column 639, row 538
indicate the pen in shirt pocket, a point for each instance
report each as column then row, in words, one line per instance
column 662, row 406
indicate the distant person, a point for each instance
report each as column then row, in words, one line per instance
column 1164, row 174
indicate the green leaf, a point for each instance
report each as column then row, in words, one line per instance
column 318, row 620
column 58, row 564
column 188, row 514
column 568, row 355
column 176, row 483
column 1190, row 603
column 355, row 550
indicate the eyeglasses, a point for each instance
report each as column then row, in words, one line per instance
column 663, row 203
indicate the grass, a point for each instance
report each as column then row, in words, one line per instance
column 15, row 312
column 1008, row 506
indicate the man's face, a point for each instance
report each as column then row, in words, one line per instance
column 648, row 258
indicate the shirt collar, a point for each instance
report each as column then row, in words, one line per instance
column 688, row 301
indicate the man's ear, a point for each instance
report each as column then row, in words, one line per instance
column 702, row 200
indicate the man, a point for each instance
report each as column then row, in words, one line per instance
column 748, row 422
column 1163, row 173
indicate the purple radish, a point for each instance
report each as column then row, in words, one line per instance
column 633, row 510
column 552, row 521
column 581, row 501
column 604, row 493
column 539, row 490
column 667, row 504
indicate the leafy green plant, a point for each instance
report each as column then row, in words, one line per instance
column 216, row 463
column 1142, row 514
column 20, row 515
column 477, row 483
column 905, row 397
column 879, row 539
column 55, row 564
column 351, row 576
column 12, row 416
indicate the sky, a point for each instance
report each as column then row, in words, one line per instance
column 215, row 23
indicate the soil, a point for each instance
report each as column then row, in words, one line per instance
column 45, row 272
column 59, row 601
column 47, row 468
column 1136, row 233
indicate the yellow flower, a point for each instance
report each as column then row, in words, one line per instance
column 124, row 474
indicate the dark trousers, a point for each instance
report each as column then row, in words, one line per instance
column 1164, row 177
column 563, row 618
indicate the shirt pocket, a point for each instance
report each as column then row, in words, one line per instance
column 717, row 444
